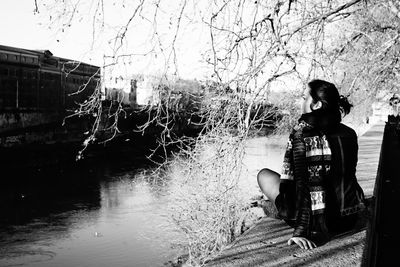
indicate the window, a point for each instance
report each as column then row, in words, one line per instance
column 3, row 71
column 25, row 74
column 28, row 74
column 12, row 72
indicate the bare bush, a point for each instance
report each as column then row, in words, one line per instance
column 208, row 205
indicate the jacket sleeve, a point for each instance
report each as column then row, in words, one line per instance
column 303, row 199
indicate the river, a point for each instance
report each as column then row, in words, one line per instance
column 96, row 213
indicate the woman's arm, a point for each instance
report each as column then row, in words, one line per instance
column 303, row 201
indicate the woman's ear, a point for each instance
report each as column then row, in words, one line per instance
column 316, row 106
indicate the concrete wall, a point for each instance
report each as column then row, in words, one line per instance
column 21, row 129
column 13, row 121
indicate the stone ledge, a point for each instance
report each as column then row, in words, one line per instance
column 266, row 245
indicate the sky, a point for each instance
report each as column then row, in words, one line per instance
column 21, row 27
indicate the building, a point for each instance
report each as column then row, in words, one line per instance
column 38, row 88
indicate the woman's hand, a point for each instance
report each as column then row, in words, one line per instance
column 304, row 243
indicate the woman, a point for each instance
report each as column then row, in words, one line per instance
column 317, row 193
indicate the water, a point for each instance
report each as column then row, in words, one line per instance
column 95, row 214
column 84, row 216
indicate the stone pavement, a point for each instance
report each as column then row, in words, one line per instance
column 265, row 244
column 368, row 157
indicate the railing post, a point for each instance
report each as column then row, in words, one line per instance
column 382, row 245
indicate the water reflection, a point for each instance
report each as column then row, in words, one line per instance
column 83, row 216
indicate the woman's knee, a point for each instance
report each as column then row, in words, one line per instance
column 268, row 181
column 262, row 174
column 265, row 174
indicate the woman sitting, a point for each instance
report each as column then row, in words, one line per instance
column 317, row 193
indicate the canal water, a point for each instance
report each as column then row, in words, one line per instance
column 97, row 213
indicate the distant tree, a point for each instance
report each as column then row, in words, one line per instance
column 253, row 46
column 364, row 62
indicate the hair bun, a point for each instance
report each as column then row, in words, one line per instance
column 344, row 104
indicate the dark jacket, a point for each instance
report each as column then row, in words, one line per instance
column 328, row 173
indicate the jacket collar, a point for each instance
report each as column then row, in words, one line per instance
column 320, row 119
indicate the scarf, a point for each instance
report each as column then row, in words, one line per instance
column 318, row 154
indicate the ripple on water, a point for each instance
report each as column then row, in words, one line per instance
column 19, row 257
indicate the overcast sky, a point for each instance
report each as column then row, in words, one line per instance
column 22, row 28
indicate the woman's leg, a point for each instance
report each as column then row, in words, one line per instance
column 269, row 181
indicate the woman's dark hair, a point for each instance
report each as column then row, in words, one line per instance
column 328, row 94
